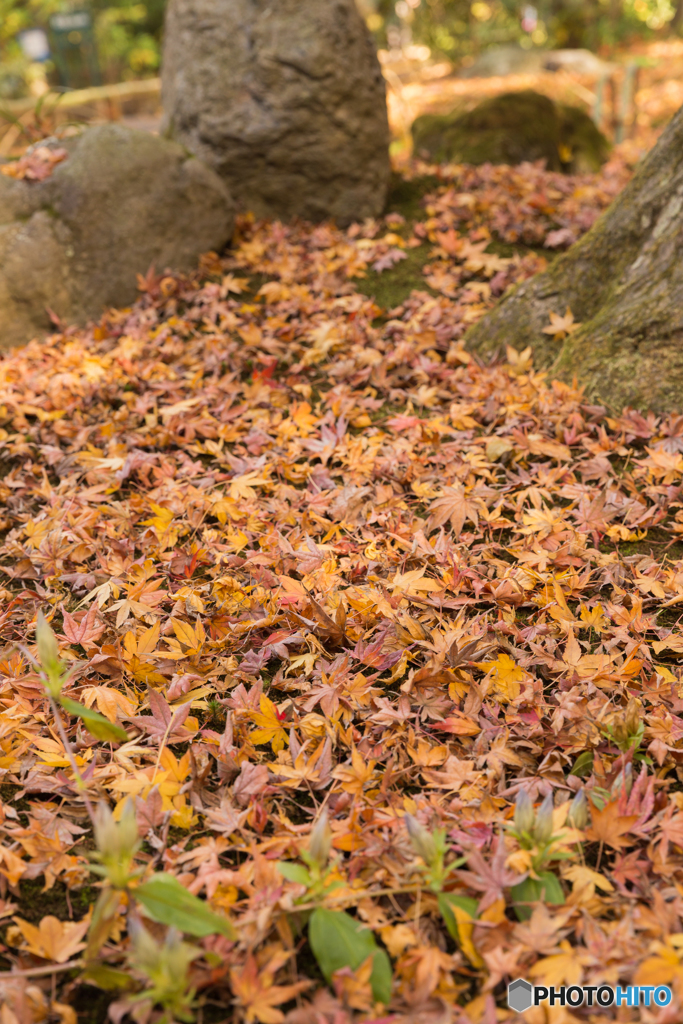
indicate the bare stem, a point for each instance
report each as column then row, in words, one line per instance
column 72, row 757
column 40, row 972
column 352, row 898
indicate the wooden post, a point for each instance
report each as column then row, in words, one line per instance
column 599, row 101
column 615, row 124
column 626, row 106
column 113, row 108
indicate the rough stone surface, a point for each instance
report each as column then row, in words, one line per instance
column 510, row 129
column 286, row 101
column 623, row 281
column 121, row 201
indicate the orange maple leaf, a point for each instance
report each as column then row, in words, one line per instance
column 610, row 827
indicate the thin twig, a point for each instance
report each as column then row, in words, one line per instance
column 162, row 744
column 39, row 972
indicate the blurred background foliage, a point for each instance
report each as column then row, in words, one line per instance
column 127, row 37
column 461, row 29
column 127, row 33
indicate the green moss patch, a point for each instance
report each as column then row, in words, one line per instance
column 513, row 128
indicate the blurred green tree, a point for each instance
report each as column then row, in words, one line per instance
column 459, row 29
column 127, row 34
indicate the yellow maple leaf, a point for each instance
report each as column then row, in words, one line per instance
column 414, row 583
column 426, row 755
column 506, row 676
column 662, row 968
column 161, row 524
column 305, row 419
column 585, row 881
column 243, row 486
column 565, row 968
column 594, row 618
column 189, row 638
column 561, row 326
column 137, row 651
column 110, row 702
column 14, row 866
column 177, row 769
column 53, row 939
column 233, row 284
column 355, row 778
column 257, row 995
column 465, row 924
column 397, row 938
column 270, row 725
column 294, row 588
column 453, row 504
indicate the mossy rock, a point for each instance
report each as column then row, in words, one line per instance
column 583, row 147
column 121, row 201
column 510, row 129
column 623, row 282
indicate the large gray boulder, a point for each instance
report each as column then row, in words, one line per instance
column 286, row 101
column 121, row 201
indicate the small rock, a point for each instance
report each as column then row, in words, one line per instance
column 119, row 202
column 286, row 101
column 512, row 59
column 578, row 62
column 508, row 59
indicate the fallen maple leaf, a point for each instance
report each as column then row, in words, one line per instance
column 488, row 877
column 52, row 939
column 506, row 677
column 609, row 826
column 456, row 506
column 270, row 725
column 258, row 996
column 165, row 724
column 36, row 165
column 87, row 631
column 414, row 583
column 561, row 326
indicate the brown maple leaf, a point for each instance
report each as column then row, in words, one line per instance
column 609, row 826
column 166, row 723
column 488, row 877
column 86, row 630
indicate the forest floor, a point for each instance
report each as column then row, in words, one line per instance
column 362, row 605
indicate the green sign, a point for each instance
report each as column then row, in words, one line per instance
column 72, row 42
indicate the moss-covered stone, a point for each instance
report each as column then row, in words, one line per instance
column 583, row 147
column 121, row 201
column 510, row 129
column 623, row 281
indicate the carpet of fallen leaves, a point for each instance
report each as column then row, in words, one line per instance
column 313, row 556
